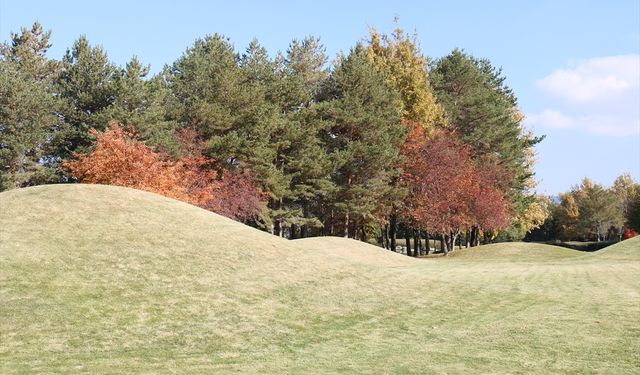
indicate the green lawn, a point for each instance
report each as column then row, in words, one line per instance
column 111, row 280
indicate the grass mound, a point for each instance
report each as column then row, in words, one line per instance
column 354, row 251
column 516, row 251
column 625, row 250
column 111, row 280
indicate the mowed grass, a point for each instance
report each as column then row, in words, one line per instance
column 111, row 280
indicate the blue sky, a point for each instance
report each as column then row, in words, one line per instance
column 574, row 65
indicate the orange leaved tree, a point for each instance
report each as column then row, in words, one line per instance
column 118, row 158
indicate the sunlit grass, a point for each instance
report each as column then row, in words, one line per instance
column 111, row 280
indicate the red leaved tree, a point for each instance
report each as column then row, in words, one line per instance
column 448, row 192
column 236, row 194
column 439, row 175
column 629, row 233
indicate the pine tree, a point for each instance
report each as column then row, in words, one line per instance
column 88, row 86
column 363, row 139
column 224, row 98
column 300, row 78
column 143, row 103
column 28, row 110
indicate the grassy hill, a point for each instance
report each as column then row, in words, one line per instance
column 112, row 280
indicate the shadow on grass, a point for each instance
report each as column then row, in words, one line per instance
column 581, row 246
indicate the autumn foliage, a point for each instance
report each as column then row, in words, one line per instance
column 629, row 233
column 118, row 158
column 448, row 190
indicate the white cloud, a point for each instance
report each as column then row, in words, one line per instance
column 595, row 79
column 606, row 125
column 599, row 95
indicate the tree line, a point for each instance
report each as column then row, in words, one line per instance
column 591, row 212
column 379, row 142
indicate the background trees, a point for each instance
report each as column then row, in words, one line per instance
column 381, row 140
column 591, row 212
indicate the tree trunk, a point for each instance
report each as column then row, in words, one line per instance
column 356, row 230
column 331, row 227
column 305, row 214
column 417, row 243
column 475, row 236
column 392, row 231
column 450, row 241
column 294, row 229
column 443, row 245
column 467, row 234
column 363, row 235
column 385, row 236
column 346, row 224
column 407, row 239
column 426, row 241
column 277, row 225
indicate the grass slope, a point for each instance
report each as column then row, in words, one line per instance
column 354, row 251
column 521, row 251
column 112, row 280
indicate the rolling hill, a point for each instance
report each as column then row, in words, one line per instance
column 106, row 279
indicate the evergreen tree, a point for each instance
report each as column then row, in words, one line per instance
column 363, row 140
column 88, row 84
column 303, row 72
column 28, row 110
column 143, row 103
column 301, row 76
column 225, row 99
